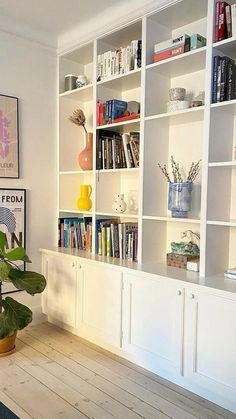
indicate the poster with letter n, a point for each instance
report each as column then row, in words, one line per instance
column 9, row 137
column 12, row 222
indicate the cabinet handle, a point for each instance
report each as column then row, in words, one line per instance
column 179, row 292
column 192, row 296
column 73, row 264
column 79, row 266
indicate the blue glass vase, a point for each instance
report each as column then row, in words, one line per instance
column 180, row 199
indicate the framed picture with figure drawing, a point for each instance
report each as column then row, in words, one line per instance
column 12, row 222
column 9, row 137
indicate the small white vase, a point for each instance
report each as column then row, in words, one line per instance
column 119, row 205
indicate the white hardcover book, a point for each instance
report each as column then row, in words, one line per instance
column 125, row 139
column 170, row 43
column 100, row 243
column 108, row 63
column 233, row 19
column 99, row 60
column 128, row 58
column 123, row 57
column 135, row 54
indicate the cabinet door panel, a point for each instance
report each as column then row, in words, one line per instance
column 153, row 322
column 100, row 303
column 61, row 289
column 211, row 343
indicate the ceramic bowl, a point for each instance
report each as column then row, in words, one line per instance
column 177, row 93
column 177, row 105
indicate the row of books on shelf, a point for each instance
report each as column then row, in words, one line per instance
column 75, row 233
column 223, row 79
column 120, row 61
column 225, row 20
column 116, row 151
column 115, row 239
column 176, row 46
column 116, row 110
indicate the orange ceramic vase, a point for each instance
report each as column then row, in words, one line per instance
column 86, row 156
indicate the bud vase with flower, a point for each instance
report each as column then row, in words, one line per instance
column 85, row 157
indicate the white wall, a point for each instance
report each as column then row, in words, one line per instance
column 28, row 71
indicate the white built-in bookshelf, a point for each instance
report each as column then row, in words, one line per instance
column 206, row 133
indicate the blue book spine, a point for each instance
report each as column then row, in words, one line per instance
column 223, row 80
column 216, row 64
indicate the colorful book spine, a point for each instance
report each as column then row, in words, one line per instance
column 168, row 53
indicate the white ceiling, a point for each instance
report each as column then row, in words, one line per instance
column 55, row 22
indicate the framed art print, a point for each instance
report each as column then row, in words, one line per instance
column 9, row 137
column 12, row 222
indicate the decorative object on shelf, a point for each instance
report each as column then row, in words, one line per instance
column 180, row 191
column 171, row 48
column 9, row 137
column 81, row 81
column 179, row 261
column 132, row 202
column 70, row 82
column 177, row 93
column 132, row 107
column 199, row 100
column 84, row 203
column 119, row 205
column 177, row 100
column 184, row 253
column 15, row 316
column 85, row 157
column 230, row 273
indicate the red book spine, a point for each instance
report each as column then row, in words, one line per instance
column 222, row 22
column 217, row 14
column 97, row 112
column 168, row 53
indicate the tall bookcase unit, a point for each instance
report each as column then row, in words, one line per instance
column 206, row 133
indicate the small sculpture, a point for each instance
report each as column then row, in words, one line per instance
column 187, row 248
column 119, row 205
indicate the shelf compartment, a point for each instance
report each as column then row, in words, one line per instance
column 220, row 248
column 69, row 190
column 118, row 183
column 181, row 141
column 78, row 61
column 186, row 63
column 183, row 116
column 162, row 233
column 84, row 94
column 221, row 202
column 227, row 47
column 127, row 81
column 120, row 38
column 222, row 134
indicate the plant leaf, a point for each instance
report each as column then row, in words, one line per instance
column 3, row 241
column 31, row 282
column 4, row 270
column 16, row 314
column 16, row 254
column 5, row 328
column 26, row 259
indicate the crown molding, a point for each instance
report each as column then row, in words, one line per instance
column 69, row 41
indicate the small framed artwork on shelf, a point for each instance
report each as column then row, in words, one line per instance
column 9, row 137
column 12, row 220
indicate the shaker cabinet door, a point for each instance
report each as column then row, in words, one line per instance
column 210, row 362
column 153, row 323
column 99, row 303
column 59, row 300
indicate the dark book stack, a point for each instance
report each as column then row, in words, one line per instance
column 223, row 79
column 116, row 151
column 225, row 20
column 75, row 233
column 115, row 239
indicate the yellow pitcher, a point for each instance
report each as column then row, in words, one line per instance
column 84, row 203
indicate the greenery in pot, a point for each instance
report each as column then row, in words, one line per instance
column 13, row 315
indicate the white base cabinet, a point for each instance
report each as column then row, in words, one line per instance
column 153, row 319
column 181, row 331
column 210, row 336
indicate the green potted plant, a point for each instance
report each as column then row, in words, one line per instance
column 15, row 316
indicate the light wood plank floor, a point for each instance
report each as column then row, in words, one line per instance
column 54, row 374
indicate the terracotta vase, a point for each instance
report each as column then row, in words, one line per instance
column 86, row 156
column 7, row 345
